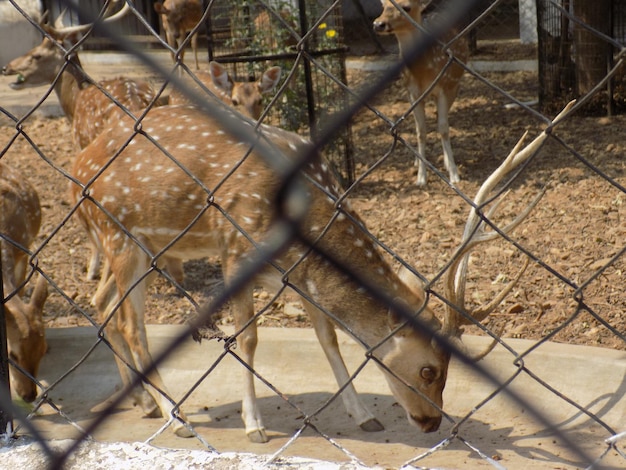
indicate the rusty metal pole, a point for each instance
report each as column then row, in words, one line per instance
column 6, row 416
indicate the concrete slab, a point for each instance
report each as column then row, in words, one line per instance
column 292, row 361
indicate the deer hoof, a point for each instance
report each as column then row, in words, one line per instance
column 372, row 425
column 153, row 412
column 147, row 404
column 258, row 436
column 181, row 431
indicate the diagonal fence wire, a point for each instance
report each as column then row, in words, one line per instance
column 287, row 230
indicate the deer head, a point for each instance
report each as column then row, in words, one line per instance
column 26, row 339
column 42, row 64
column 178, row 18
column 246, row 97
column 398, row 17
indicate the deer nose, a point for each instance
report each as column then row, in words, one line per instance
column 428, row 424
column 381, row 27
column 29, row 395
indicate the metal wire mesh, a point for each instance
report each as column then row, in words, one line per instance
column 576, row 50
column 511, row 388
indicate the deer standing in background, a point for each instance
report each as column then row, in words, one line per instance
column 245, row 97
column 423, row 73
column 231, row 215
column 178, row 18
column 20, row 219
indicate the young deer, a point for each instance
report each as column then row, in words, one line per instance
column 432, row 74
column 178, row 18
column 138, row 215
column 245, row 97
column 20, row 218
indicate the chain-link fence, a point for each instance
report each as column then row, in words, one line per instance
column 250, row 207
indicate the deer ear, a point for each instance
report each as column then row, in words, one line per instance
column 220, row 77
column 270, row 79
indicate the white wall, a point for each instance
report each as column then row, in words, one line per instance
column 17, row 35
column 528, row 21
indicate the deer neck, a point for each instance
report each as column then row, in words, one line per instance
column 354, row 306
column 407, row 40
column 70, row 84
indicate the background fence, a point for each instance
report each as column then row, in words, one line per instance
column 551, row 392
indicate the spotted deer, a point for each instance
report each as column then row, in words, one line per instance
column 245, row 97
column 432, row 75
column 20, row 219
column 201, row 192
column 180, row 17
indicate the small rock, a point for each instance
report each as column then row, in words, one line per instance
column 293, row 309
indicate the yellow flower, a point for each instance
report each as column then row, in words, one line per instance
column 322, row 26
column 331, row 33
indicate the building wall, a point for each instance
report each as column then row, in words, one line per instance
column 17, row 34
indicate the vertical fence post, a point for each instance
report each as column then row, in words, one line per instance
column 6, row 417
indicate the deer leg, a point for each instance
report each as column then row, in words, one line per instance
column 105, row 277
column 174, row 267
column 247, row 341
column 243, row 309
column 94, row 264
column 173, row 43
column 326, row 335
column 444, row 133
column 129, row 331
column 194, row 46
column 420, row 127
column 105, row 300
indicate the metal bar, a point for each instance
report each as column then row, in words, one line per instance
column 6, row 415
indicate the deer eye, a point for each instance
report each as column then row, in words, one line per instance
column 407, row 8
column 428, row 374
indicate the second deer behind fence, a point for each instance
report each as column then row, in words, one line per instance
column 433, row 74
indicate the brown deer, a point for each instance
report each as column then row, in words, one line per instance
column 180, row 17
column 136, row 213
column 432, row 75
column 245, row 97
column 20, row 219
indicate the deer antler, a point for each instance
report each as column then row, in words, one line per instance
column 475, row 234
column 58, row 30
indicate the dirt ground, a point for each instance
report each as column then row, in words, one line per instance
column 573, row 233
